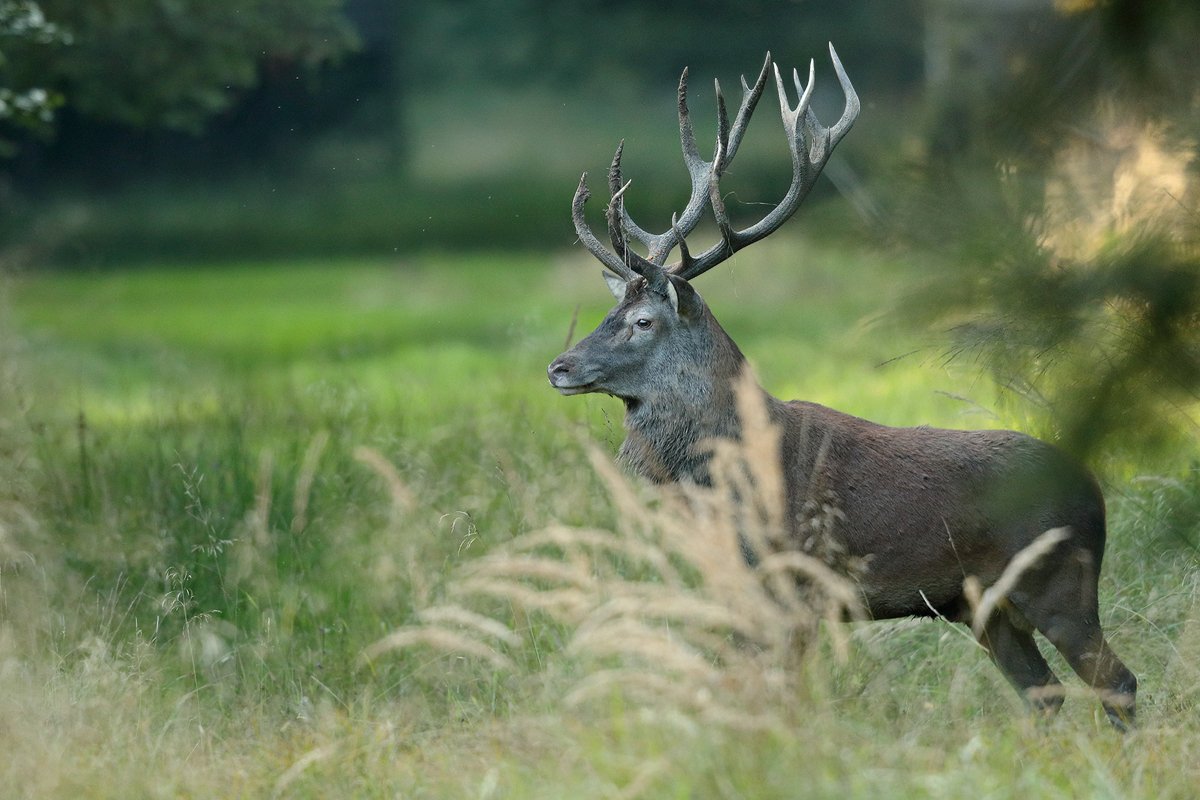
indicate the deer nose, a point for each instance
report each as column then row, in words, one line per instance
column 558, row 371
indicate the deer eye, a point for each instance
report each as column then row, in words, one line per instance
column 644, row 324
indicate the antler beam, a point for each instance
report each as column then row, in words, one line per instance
column 808, row 159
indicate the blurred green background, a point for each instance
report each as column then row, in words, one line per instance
column 372, row 127
column 1036, row 157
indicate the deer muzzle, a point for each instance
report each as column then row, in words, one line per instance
column 569, row 377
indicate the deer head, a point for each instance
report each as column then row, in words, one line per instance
column 660, row 344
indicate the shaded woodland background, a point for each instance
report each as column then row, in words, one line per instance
column 339, row 128
column 331, row 112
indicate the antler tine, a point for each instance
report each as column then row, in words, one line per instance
column 627, row 223
column 750, row 98
column 808, row 159
column 727, row 245
column 698, row 169
column 607, row 257
column 687, row 137
column 722, row 122
column 850, row 113
column 818, row 134
column 660, row 245
column 685, row 257
column 615, row 214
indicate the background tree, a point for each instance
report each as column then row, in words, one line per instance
column 1065, row 224
column 30, row 106
column 145, row 62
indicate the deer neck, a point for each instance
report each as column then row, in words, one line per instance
column 695, row 403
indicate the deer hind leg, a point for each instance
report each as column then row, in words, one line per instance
column 1009, row 641
column 1061, row 602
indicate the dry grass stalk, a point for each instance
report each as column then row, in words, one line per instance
column 575, row 541
column 438, row 638
column 304, row 481
column 401, row 496
column 669, row 603
column 305, row 761
column 567, row 605
column 636, row 641
column 643, row 778
column 457, row 615
column 984, row 603
column 252, row 551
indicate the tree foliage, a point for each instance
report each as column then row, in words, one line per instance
column 175, row 63
column 1067, row 227
column 23, row 22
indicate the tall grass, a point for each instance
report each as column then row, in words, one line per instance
column 205, row 536
column 692, row 603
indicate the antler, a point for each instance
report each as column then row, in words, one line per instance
column 808, row 159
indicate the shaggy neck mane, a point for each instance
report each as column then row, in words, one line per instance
column 664, row 429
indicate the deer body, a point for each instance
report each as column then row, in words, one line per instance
column 920, row 508
column 927, row 507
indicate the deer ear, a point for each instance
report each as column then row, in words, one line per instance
column 615, row 285
column 684, row 299
column 673, row 296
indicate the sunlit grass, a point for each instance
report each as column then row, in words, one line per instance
column 462, row 327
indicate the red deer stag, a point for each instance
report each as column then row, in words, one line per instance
column 923, row 507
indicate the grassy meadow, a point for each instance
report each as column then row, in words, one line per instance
column 236, row 502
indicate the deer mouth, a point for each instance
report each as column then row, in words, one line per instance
column 566, row 386
column 567, row 391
